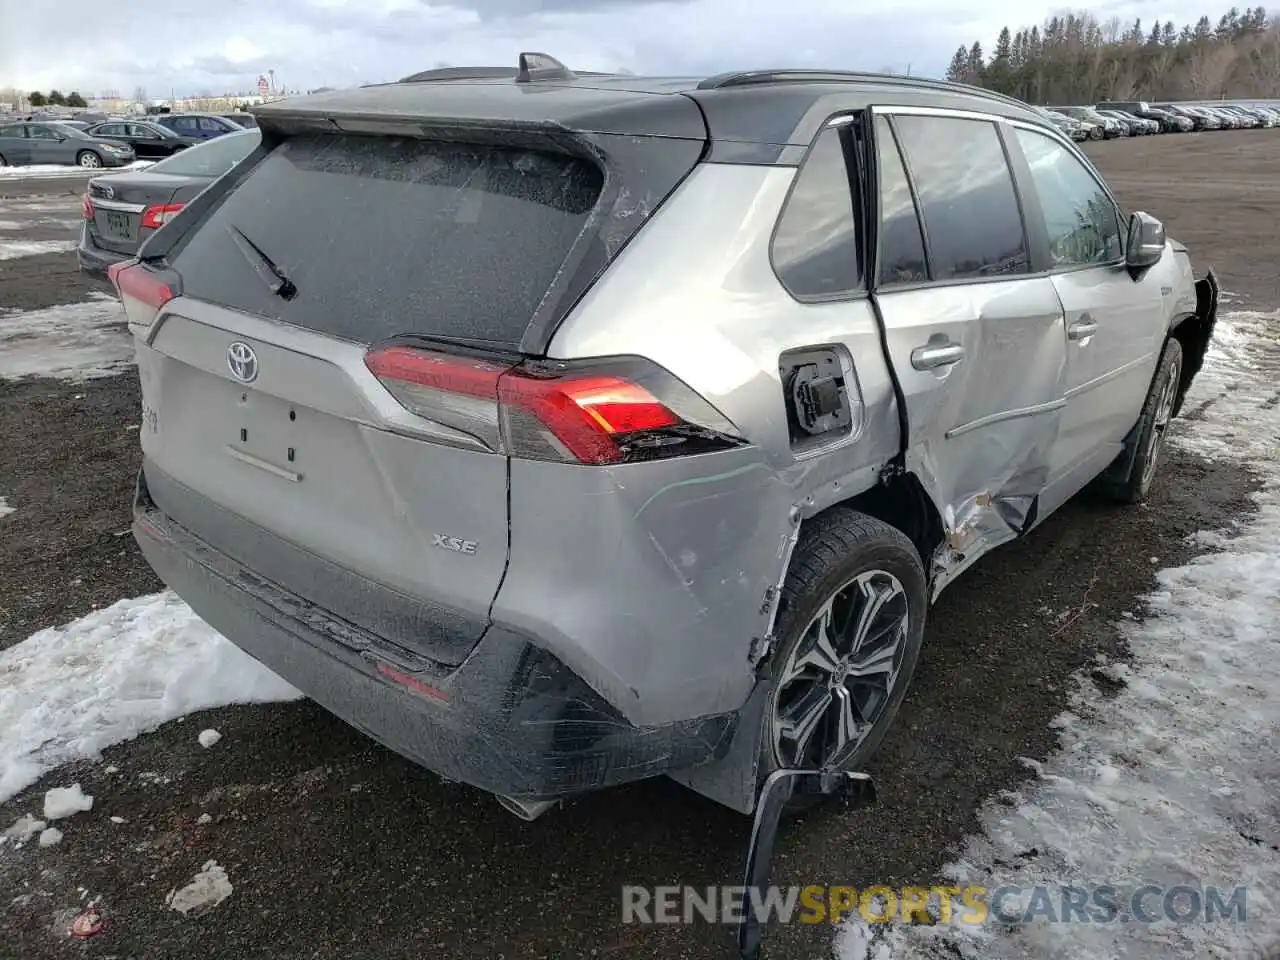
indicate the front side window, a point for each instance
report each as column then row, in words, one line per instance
column 966, row 195
column 902, row 258
column 815, row 250
column 1080, row 217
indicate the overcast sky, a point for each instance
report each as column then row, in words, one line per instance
column 218, row 45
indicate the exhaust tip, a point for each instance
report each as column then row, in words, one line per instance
column 526, row 810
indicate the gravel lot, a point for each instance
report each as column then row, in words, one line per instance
column 338, row 848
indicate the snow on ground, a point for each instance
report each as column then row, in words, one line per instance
column 75, row 341
column 54, row 171
column 208, row 738
column 1172, row 781
column 208, row 889
column 69, row 692
column 5, row 509
column 17, row 226
column 13, row 249
column 61, row 802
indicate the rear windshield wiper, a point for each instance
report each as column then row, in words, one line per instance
column 264, row 266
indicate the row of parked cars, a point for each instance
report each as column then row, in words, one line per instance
column 111, row 141
column 1135, row 118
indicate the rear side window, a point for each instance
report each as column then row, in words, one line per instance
column 383, row 236
column 966, row 197
column 815, row 249
column 902, row 257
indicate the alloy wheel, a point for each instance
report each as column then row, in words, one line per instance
column 89, row 160
column 1164, row 414
column 842, row 673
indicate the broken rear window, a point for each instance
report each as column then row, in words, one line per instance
column 383, row 235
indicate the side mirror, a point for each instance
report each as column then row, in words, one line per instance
column 1146, row 242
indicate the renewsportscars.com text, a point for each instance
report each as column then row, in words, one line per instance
column 935, row 904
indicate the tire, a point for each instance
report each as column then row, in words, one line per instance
column 1095, row 134
column 843, row 558
column 88, row 159
column 3, row 161
column 1146, row 440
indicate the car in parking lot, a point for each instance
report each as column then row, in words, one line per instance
column 1200, row 119
column 1073, row 128
column 121, row 210
column 1168, row 122
column 197, row 126
column 1138, row 127
column 672, row 490
column 1109, row 126
column 57, row 143
column 241, row 118
column 148, row 140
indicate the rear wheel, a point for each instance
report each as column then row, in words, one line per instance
column 88, row 159
column 1146, row 441
column 3, row 161
column 850, row 629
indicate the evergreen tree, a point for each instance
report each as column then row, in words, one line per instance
column 976, row 63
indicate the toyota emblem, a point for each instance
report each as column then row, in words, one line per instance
column 242, row 362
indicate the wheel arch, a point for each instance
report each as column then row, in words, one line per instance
column 901, row 501
column 1194, row 331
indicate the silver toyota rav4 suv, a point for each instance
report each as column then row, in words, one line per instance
column 559, row 430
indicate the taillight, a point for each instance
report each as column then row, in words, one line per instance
column 158, row 214
column 141, row 291
column 86, row 208
column 613, row 410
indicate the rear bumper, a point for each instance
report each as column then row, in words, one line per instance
column 93, row 260
column 511, row 719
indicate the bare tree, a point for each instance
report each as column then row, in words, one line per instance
column 1209, row 67
column 1263, row 65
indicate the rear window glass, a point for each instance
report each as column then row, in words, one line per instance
column 385, row 235
column 211, row 159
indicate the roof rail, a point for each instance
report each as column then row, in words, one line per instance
column 749, row 77
column 460, row 73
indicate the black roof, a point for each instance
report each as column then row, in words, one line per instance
column 777, row 107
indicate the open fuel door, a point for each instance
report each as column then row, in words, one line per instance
column 977, row 344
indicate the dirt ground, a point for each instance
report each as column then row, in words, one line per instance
column 337, row 848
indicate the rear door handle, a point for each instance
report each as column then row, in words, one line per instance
column 934, row 355
column 1082, row 329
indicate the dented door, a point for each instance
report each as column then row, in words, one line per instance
column 978, row 346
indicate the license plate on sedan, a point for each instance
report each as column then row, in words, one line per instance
column 116, row 225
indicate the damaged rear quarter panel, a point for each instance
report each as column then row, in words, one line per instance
column 650, row 579
column 653, row 581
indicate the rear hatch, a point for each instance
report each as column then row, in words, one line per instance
column 120, row 204
column 389, row 511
